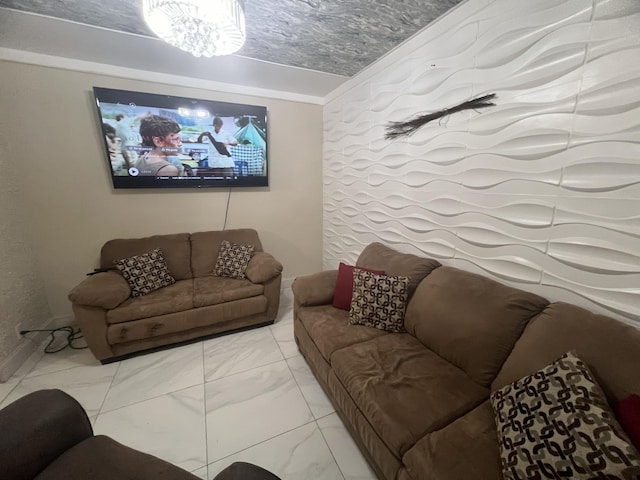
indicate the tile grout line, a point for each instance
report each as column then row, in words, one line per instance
column 21, row 378
column 300, row 390
column 155, row 396
column 4, row 399
column 283, row 358
column 315, row 420
column 148, row 399
column 25, row 376
column 55, row 371
column 264, row 441
column 329, row 447
column 206, row 467
column 106, row 394
column 277, row 343
column 244, row 371
column 204, row 412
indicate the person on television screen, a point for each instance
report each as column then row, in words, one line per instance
column 162, row 135
column 129, row 136
column 114, row 149
column 219, row 157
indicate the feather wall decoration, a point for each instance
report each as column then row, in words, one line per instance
column 399, row 129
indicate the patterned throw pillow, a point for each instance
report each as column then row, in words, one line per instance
column 379, row 301
column 628, row 414
column 557, row 424
column 344, row 285
column 145, row 273
column 233, row 260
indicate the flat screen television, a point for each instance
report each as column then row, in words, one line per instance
column 164, row 141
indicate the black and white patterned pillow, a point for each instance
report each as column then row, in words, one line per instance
column 557, row 424
column 233, row 259
column 145, row 273
column 379, row 301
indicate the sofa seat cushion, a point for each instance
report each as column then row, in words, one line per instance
column 385, row 463
column 215, row 290
column 101, row 458
column 467, row 448
column 177, row 325
column 403, row 389
column 330, row 329
column 174, row 298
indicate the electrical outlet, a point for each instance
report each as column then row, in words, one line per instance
column 18, row 328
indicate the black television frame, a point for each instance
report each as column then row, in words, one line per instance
column 133, row 103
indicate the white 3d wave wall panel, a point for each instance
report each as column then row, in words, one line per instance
column 541, row 191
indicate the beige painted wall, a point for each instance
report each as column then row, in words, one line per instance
column 71, row 208
column 22, row 300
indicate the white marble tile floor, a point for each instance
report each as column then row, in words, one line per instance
column 247, row 396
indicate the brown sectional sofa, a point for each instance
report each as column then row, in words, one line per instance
column 417, row 403
column 199, row 304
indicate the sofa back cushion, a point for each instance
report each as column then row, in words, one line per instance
column 176, row 251
column 470, row 320
column 205, row 247
column 610, row 348
column 393, row 263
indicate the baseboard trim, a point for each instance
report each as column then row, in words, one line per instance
column 30, row 349
column 19, row 356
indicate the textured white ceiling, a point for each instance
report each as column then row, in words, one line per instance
column 339, row 37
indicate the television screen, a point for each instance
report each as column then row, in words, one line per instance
column 163, row 141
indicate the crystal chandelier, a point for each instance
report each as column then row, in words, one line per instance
column 200, row 27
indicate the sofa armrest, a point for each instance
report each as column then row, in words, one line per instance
column 262, row 267
column 315, row 289
column 106, row 290
column 37, row 429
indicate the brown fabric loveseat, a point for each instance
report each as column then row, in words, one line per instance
column 198, row 304
column 418, row 403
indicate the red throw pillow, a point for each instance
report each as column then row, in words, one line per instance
column 628, row 413
column 344, row 285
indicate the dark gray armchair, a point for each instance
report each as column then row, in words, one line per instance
column 47, row 435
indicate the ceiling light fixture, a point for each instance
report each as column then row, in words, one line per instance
column 201, row 27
